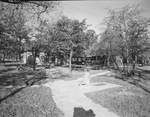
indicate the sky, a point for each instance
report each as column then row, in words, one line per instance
column 95, row 11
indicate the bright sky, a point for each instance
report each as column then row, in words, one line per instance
column 95, row 12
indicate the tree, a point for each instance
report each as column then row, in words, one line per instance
column 31, row 9
column 110, row 44
column 90, row 41
column 70, row 35
column 14, row 18
column 36, row 43
column 132, row 29
column 14, row 30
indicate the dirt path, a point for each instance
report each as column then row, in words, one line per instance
column 68, row 95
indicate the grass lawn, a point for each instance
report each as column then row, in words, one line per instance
column 19, row 99
column 127, row 101
column 75, row 74
column 30, row 102
column 109, row 79
column 67, row 76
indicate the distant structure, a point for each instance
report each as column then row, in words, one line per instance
column 94, row 62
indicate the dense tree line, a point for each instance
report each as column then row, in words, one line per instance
column 14, row 33
column 58, row 40
column 126, row 35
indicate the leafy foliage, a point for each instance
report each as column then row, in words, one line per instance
column 126, row 33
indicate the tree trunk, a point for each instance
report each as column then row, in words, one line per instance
column 34, row 60
column 62, row 60
column 127, row 62
column 34, row 64
column 4, row 58
column 56, row 60
column 123, row 69
column 108, row 58
column 108, row 62
column 123, row 62
column 20, row 49
column 17, row 62
column 65, row 60
column 20, row 59
column 133, row 68
column 70, row 60
column 20, row 56
column 16, row 58
column 116, row 63
column 48, row 58
column 26, row 58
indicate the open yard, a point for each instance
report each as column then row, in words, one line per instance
column 20, row 95
column 19, row 99
column 130, row 100
column 106, row 45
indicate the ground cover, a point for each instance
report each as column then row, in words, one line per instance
column 130, row 100
column 13, row 77
column 19, row 99
column 30, row 102
column 67, row 76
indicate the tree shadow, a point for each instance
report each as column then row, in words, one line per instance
column 6, row 70
column 141, row 82
column 37, row 79
column 13, row 79
column 141, row 86
column 136, row 81
column 145, row 76
column 12, row 83
column 21, row 78
column 81, row 112
column 11, row 94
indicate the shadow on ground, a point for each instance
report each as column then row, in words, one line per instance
column 6, row 70
column 11, row 94
column 26, row 77
column 81, row 112
column 142, row 82
column 13, row 82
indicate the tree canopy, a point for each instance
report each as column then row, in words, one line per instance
column 126, row 33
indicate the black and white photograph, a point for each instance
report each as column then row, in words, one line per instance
column 75, row 58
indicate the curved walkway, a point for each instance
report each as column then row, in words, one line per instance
column 68, row 95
